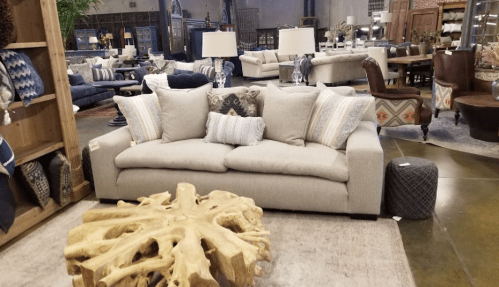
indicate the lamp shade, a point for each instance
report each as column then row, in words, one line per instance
column 219, row 44
column 351, row 20
column 296, row 41
column 128, row 35
column 386, row 17
column 109, row 36
column 328, row 34
column 92, row 39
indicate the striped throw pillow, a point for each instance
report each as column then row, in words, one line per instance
column 143, row 116
column 233, row 130
column 103, row 74
column 335, row 117
column 209, row 71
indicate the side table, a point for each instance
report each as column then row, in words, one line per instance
column 119, row 120
column 285, row 72
column 482, row 114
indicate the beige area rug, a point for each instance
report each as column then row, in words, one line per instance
column 307, row 250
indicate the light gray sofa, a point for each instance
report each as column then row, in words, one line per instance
column 274, row 174
column 338, row 66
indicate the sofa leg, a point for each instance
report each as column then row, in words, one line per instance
column 437, row 111
column 425, row 131
column 359, row 216
column 378, row 129
column 456, row 116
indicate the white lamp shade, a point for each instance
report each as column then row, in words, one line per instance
column 92, row 39
column 128, row 35
column 296, row 41
column 219, row 44
column 328, row 34
column 351, row 20
column 386, row 17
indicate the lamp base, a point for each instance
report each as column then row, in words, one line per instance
column 297, row 75
column 220, row 76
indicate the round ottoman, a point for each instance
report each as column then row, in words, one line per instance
column 411, row 190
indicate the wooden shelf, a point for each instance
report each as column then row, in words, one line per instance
column 27, row 45
column 28, row 215
column 41, row 99
column 32, row 152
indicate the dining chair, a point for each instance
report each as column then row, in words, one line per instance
column 380, row 54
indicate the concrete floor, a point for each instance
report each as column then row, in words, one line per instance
column 458, row 246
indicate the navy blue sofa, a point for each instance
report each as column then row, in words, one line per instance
column 84, row 94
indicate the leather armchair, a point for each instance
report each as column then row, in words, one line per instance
column 455, row 77
column 396, row 107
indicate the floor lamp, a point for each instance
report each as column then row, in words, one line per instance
column 297, row 41
column 219, row 44
column 386, row 17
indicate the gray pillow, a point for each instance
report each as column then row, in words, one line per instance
column 286, row 114
column 233, row 130
column 84, row 70
column 184, row 113
column 33, row 179
column 59, row 177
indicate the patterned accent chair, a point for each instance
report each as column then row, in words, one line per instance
column 396, row 107
column 455, row 77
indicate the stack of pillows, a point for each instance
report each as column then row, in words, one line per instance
column 239, row 115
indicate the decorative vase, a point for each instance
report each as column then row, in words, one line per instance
column 495, row 90
column 423, row 48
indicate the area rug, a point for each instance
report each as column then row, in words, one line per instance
column 107, row 110
column 307, row 250
column 444, row 133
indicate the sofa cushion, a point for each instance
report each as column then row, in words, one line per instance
column 192, row 154
column 198, row 63
column 105, row 74
column 270, row 67
column 269, row 56
column 260, row 56
column 185, row 66
column 234, row 130
column 270, row 156
column 338, row 52
column 76, row 79
column 83, row 69
column 282, row 58
column 82, row 91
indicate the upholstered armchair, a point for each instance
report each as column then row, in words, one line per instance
column 396, row 107
column 455, row 77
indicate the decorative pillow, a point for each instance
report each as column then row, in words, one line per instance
column 259, row 55
column 286, row 115
column 242, row 104
column 269, row 56
column 233, row 130
column 166, row 66
column 97, row 66
column 21, row 75
column 103, row 74
column 447, row 39
column 7, row 200
column 184, row 113
column 7, row 91
column 154, row 81
column 198, row 63
column 248, row 53
column 93, row 61
column 7, row 160
column 185, row 72
column 70, row 72
column 33, row 179
column 452, row 16
column 59, row 177
column 76, row 80
column 446, row 28
column 83, row 69
column 209, row 71
column 143, row 116
column 283, row 58
column 445, row 16
column 185, row 66
column 456, row 27
column 459, row 15
column 39, row 86
column 335, row 117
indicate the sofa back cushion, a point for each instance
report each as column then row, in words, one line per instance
column 187, row 81
column 103, row 74
column 270, row 56
column 76, row 79
column 184, row 113
column 338, row 52
column 282, row 58
column 185, row 66
column 83, row 69
column 260, row 56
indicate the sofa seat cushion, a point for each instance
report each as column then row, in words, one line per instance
column 270, row 67
column 275, row 157
column 192, row 154
column 83, row 91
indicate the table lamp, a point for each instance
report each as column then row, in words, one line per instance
column 386, row 17
column 297, row 41
column 93, row 41
column 329, row 36
column 351, row 20
column 109, row 36
column 219, row 44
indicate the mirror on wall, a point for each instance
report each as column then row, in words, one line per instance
column 485, row 22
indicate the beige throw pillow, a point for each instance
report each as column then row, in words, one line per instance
column 283, row 58
column 184, row 113
column 269, row 56
column 198, row 63
column 260, row 56
column 286, row 115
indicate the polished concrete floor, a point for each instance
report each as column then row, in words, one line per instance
column 459, row 245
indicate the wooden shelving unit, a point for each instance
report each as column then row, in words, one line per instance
column 48, row 123
column 446, row 7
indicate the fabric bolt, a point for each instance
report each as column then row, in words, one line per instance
column 21, row 75
column 234, row 130
column 242, row 104
column 103, row 74
column 335, row 117
column 143, row 116
column 443, row 97
column 393, row 113
column 34, row 181
column 286, row 114
column 209, row 71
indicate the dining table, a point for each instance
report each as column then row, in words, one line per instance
column 403, row 62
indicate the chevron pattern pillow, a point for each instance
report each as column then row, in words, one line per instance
column 21, row 75
column 103, row 74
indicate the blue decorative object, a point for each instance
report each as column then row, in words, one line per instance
column 21, row 75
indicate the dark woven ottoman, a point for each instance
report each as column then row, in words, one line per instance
column 411, row 191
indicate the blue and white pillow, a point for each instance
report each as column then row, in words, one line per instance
column 209, row 71
column 21, row 75
column 39, row 86
column 103, row 74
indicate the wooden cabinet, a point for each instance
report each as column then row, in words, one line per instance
column 447, row 7
column 396, row 29
column 48, row 123
column 268, row 37
column 82, row 37
column 146, row 38
column 421, row 20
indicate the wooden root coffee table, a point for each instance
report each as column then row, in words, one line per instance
column 482, row 114
column 161, row 243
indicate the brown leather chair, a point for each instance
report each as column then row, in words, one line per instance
column 396, row 107
column 455, row 77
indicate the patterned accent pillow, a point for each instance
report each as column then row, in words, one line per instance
column 33, row 179
column 39, row 86
column 443, row 97
column 233, row 130
column 242, row 104
column 83, row 69
column 209, row 71
column 335, row 117
column 103, row 74
column 7, row 91
column 21, row 75
column 393, row 113
column 143, row 116
column 59, row 177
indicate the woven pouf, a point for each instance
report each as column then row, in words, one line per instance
column 411, row 190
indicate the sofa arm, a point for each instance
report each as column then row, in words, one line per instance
column 365, row 167
column 250, row 60
column 103, row 151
